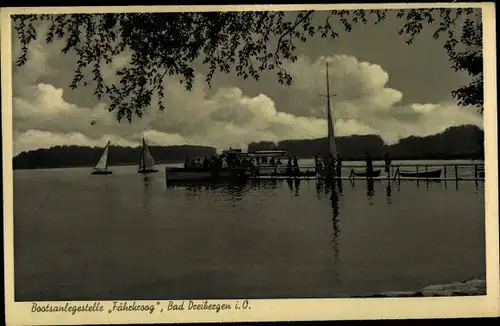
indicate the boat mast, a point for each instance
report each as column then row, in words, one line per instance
column 331, row 134
column 142, row 154
column 107, row 148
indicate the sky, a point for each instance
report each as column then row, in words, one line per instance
column 383, row 87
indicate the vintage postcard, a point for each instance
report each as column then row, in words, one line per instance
column 249, row 163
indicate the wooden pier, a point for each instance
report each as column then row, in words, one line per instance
column 449, row 172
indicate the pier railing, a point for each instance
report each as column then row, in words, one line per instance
column 402, row 171
column 449, row 171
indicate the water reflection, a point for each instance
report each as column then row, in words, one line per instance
column 294, row 186
column 146, row 202
column 388, row 191
column 232, row 190
column 297, row 186
column 334, row 200
column 340, row 187
column 370, row 190
column 333, row 189
column 235, row 192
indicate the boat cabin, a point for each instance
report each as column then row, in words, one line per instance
column 270, row 158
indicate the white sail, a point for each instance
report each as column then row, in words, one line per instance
column 332, row 146
column 147, row 160
column 102, row 164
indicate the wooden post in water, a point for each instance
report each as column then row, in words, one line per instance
column 426, row 170
column 444, row 172
column 456, row 172
column 417, row 168
column 475, row 175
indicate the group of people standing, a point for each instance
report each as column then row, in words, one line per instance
column 328, row 167
column 222, row 161
column 332, row 166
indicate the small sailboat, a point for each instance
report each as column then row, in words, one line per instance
column 102, row 165
column 147, row 162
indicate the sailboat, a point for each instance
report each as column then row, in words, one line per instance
column 102, row 165
column 147, row 162
column 332, row 146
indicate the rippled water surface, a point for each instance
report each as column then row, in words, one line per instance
column 126, row 236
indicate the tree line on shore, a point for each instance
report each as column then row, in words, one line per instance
column 73, row 156
column 464, row 142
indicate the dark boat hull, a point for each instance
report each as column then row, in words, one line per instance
column 427, row 174
column 374, row 174
column 147, row 171
column 101, row 172
column 200, row 174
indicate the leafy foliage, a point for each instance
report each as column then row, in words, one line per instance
column 465, row 50
column 248, row 42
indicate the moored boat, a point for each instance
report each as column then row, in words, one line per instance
column 203, row 174
column 425, row 174
column 270, row 162
column 101, row 168
column 374, row 174
column 250, row 164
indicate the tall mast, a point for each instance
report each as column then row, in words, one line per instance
column 107, row 148
column 143, row 157
column 331, row 134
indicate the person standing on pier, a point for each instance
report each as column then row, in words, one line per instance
column 369, row 164
column 387, row 161
column 331, row 167
column 338, row 167
column 317, row 164
column 289, row 166
column 206, row 163
column 295, row 165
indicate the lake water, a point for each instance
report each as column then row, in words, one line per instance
column 127, row 236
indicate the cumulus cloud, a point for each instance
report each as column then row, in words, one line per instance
column 229, row 117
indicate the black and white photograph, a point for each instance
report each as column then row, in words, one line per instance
column 232, row 162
